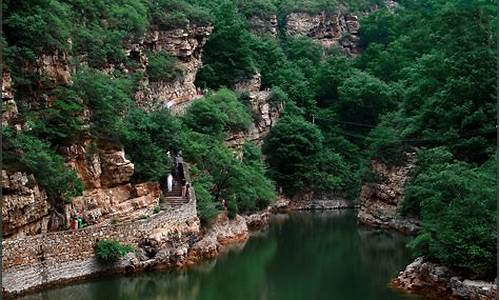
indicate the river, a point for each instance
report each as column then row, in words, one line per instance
column 322, row 255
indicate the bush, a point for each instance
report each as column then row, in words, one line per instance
column 157, row 132
column 58, row 181
column 171, row 14
column 217, row 113
column 110, row 251
column 459, row 215
column 163, row 66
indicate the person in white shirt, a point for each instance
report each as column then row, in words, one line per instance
column 170, row 181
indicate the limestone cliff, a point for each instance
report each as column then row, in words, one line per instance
column 185, row 44
column 329, row 29
column 380, row 201
column 265, row 114
column 261, row 25
column 109, row 196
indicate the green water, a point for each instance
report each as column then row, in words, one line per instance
column 301, row 256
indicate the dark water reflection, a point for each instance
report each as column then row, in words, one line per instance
column 301, row 256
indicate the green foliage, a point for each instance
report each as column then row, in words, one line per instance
column 61, row 123
column 157, row 133
column 458, row 209
column 259, row 8
column 227, row 56
column 268, row 57
column 226, row 178
column 59, row 182
column 108, row 99
column 291, row 149
column 171, row 14
column 277, row 96
column 386, row 145
column 218, row 113
column 110, row 251
column 163, row 66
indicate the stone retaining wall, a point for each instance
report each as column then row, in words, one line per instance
column 35, row 261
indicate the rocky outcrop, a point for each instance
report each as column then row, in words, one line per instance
column 265, row 114
column 258, row 220
column 34, row 262
column 326, row 28
column 315, row 201
column 25, row 209
column 55, row 66
column 437, row 281
column 380, row 202
column 9, row 106
column 222, row 233
column 185, row 44
column 264, row 25
column 120, row 204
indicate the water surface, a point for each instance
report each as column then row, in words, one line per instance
column 323, row 255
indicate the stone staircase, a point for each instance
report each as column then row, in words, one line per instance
column 174, row 198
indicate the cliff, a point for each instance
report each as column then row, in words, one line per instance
column 186, row 45
column 329, row 29
column 380, row 201
column 265, row 114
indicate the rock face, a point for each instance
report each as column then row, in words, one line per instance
column 264, row 25
column 185, row 44
column 328, row 29
column 432, row 280
column 222, row 233
column 25, row 209
column 265, row 114
column 380, row 202
column 9, row 107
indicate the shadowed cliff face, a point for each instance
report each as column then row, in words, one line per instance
column 326, row 28
column 186, row 45
column 380, row 201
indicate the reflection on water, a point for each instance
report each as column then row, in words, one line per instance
column 321, row 255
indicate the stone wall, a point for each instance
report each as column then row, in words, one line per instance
column 380, row 201
column 35, row 261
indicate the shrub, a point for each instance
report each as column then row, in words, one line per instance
column 110, row 251
column 171, row 14
column 459, row 215
column 163, row 66
column 60, row 182
column 157, row 132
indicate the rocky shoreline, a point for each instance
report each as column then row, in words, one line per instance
column 439, row 282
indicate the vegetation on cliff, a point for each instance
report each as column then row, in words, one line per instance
column 425, row 82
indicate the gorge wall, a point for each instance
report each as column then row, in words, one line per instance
column 186, row 45
column 326, row 28
column 380, row 201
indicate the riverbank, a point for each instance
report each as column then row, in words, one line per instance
column 435, row 281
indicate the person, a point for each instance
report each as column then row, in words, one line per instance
column 170, row 181
column 186, row 191
column 185, row 188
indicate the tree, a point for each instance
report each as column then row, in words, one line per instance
column 291, row 148
column 227, row 56
column 459, row 216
